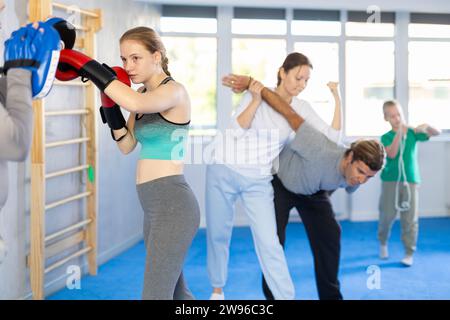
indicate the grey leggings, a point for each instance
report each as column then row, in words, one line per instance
column 171, row 220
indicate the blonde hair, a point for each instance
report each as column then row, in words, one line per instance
column 390, row 103
column 151, row 41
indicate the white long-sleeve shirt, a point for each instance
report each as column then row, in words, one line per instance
column 251, row 152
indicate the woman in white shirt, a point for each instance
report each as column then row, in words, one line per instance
column 240, row 166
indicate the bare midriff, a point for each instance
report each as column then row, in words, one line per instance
column 151, row 169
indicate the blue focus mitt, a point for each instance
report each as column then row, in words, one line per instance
column 36, row 50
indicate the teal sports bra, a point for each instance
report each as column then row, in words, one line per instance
column 161, row 138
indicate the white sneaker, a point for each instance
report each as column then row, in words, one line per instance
column 384, row 253
column 217, row 296
column 408, row 260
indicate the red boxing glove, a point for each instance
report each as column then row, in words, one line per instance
column 122, row 76
column 74, row 64
column 110, row 111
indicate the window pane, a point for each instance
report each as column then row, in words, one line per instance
column 428, row 98
column 325, row 60
column 192, row 62
column 259, row 58
column 194, row 25
column 258, row 26
column 316, row 28
column 370, row 81
column 429, row 30
column 364, row 29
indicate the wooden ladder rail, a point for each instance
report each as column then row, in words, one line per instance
column 40, row 249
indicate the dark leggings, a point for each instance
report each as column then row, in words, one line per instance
column 323, row 231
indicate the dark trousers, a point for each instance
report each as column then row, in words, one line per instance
column 323, row 231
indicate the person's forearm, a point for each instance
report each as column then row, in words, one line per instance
column 431, row 131
column 279, row 105
column 127, row 141
column 246, row 117
column 392, row 150
column 337, row 122
column 282, row 107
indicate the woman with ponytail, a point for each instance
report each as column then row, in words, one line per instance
column 159, row 120
column 241, row 167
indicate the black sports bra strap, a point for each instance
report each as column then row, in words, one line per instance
column 169, row 78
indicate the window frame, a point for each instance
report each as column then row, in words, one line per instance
column 202, row 130
column 426, row 17
column 224, row 38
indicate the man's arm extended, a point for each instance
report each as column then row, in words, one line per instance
column 282, row 107
column 239, row 83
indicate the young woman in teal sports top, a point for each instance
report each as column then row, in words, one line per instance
column 159, row 121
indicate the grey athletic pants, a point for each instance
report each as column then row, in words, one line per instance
column 409, row 219
column 171, row 220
